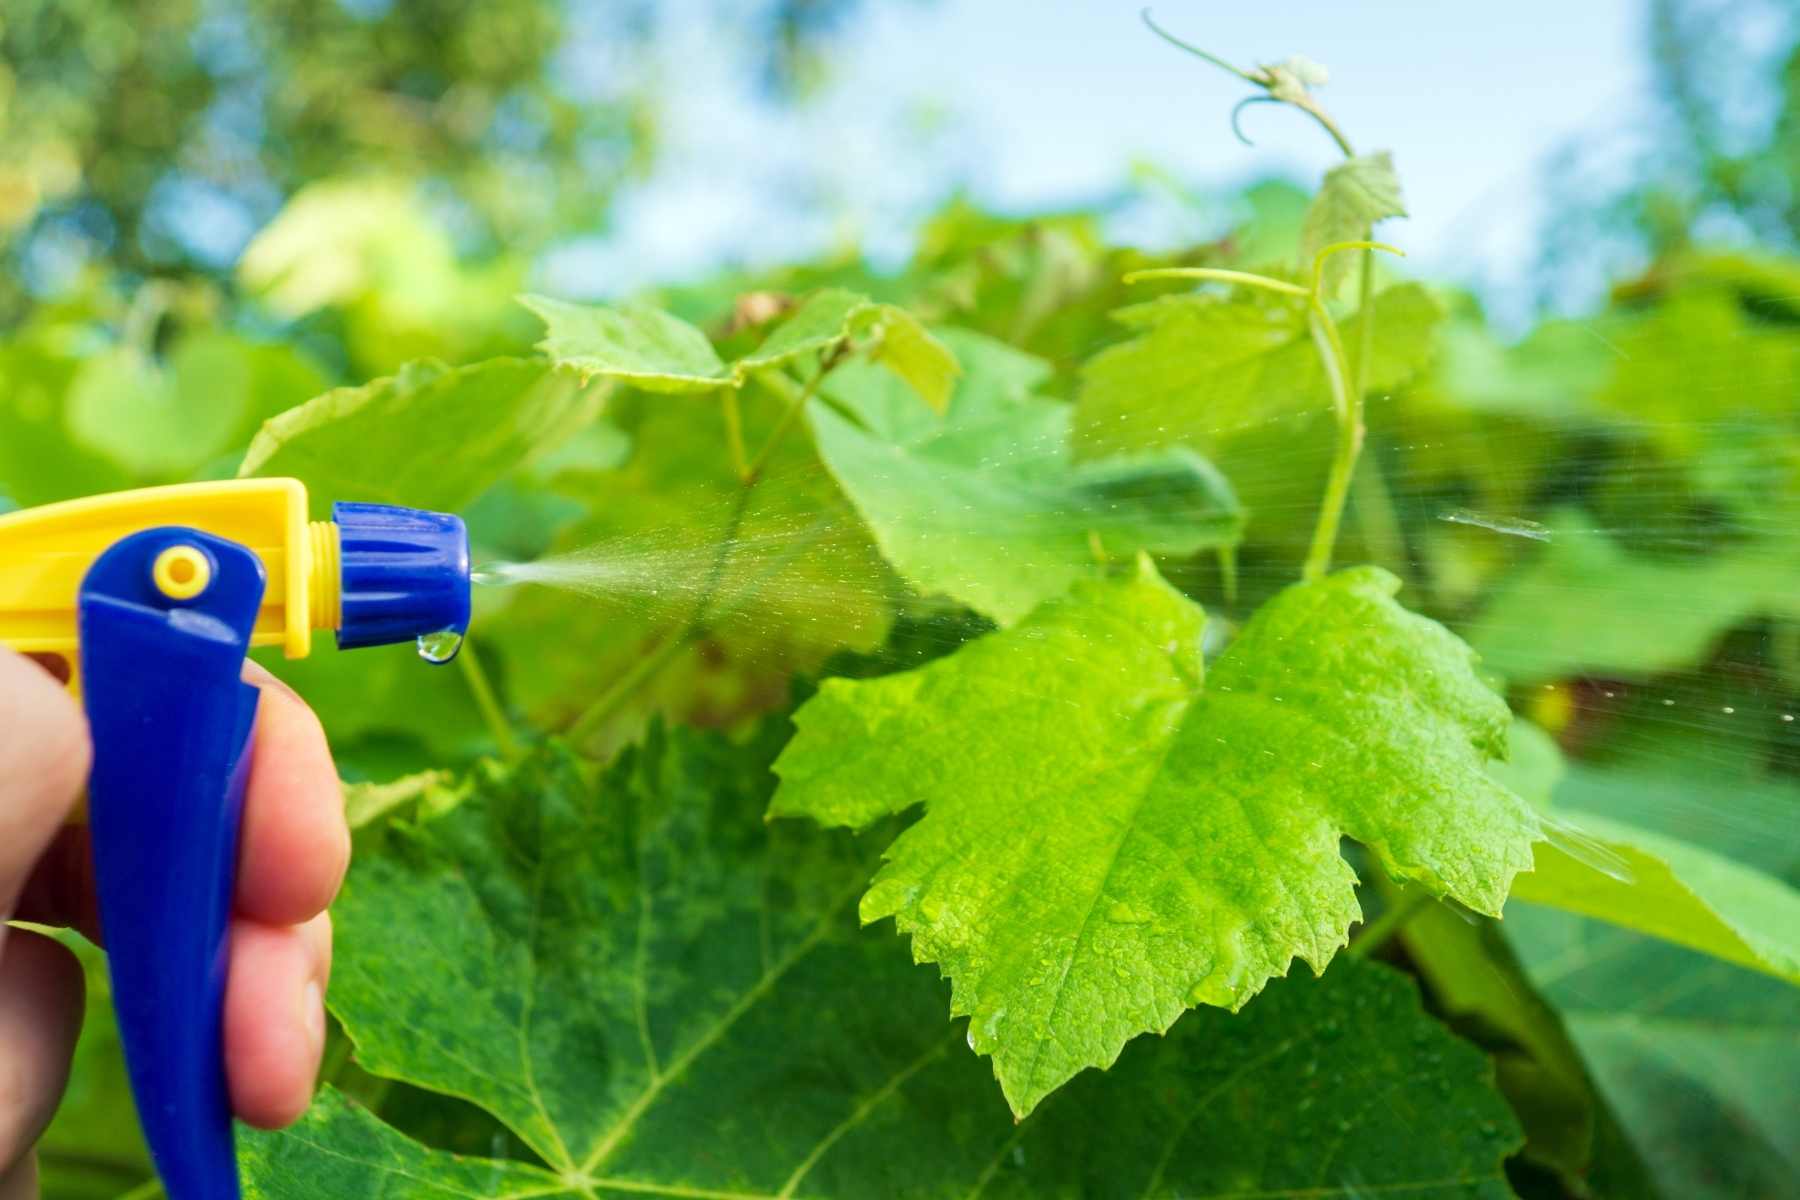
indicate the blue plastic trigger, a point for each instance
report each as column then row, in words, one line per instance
column 171, row 721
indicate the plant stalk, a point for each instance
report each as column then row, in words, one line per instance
column 488, row 702
column 734, row 432
column 1377, row 933
column 1347, row 406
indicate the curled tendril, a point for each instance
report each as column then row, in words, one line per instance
column 1318, row 271
column 1150, row 23
column 1237, row 110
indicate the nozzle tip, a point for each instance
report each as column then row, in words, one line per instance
column 404, row 573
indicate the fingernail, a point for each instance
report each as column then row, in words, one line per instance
column 312, row 1013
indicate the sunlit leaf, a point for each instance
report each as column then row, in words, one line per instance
column 1132, row 833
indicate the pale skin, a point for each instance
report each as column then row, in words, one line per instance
column 292, row 858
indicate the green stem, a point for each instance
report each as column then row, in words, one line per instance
column 1196, row 51
column 1377, row 933
column 1365, row 308
column 1221, row 275
column 147, row 1190
column 600, row 713
column 1347, row 406
column 734, row 432
column 488, row 702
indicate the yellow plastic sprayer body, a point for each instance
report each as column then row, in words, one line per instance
column 147, row 602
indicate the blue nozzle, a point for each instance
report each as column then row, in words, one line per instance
column 404, row 574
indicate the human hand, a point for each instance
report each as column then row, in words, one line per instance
column 292, row 855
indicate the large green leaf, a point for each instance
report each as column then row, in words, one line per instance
column 1603, row 866
column 660, row 995
column 1475, row 980
column 1114, row 833
column 430, row 437
column 1585, row 605
column 1670, row 889
column 1698, row 1057
column 1355, row 195
column 985, row 504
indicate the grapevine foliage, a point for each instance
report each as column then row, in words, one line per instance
column 995, row 597
column 640, row 962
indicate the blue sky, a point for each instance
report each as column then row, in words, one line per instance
column 1031, row 105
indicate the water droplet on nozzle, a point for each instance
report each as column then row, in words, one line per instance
column 440, row 647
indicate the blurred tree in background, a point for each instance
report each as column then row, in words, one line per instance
column 1722, row 159
column 155, row 136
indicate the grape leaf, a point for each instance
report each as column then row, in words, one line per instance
column 1108, row 839
column 1201, row 367
column 1355, row 195
column 910, row 351
column 641, row 345
column 1698, row 1055
column 430, row 437
column 659, row 352
column 1476, row 981
column 1584, row 605
column 1675, row 891
column 984, row 504
column 659, row 993
column 1606, row 867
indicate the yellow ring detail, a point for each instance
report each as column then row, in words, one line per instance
column 181, row 572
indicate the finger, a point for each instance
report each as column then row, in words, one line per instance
column 61, row 888
column 43, row 767
column 295, row 844
column 275, row 1018
column 20, row 1182
column 41, row 1000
